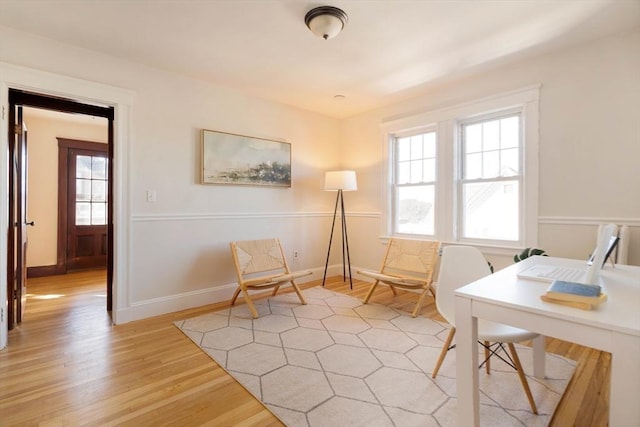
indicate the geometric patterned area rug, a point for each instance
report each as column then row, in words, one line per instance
column 337, row 362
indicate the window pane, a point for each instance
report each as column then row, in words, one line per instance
column 404, row 170
column 83, row 189
column 510, row 132
column 83, row 213
column 491, row 164
column 98, row 213
column 473, row 166
column 509, row 161
column 473, row 138
column 99, row 191
column 83, row 166
column 416, row 171
column 404, row 152
column 415, row 213
column 430, row 145
column 491, row 210
column 429, row 170
column 491, row 135
column 416, row 147
column 99, row 168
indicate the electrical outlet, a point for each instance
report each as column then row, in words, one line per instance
column 296, row 254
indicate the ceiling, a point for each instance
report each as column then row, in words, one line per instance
column 390, row 50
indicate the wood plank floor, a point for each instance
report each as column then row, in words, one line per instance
column 66, row 365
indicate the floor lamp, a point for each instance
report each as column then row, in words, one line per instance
column 340, row 181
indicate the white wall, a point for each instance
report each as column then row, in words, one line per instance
column 179, row 244
column 42, row 202
column 589, row 144
column 589, row 134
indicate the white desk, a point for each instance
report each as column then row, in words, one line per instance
column 613, row 327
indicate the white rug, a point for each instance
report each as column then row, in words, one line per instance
column 337, row 362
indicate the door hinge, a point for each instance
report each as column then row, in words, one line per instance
column 17, row 129
column 3, row 112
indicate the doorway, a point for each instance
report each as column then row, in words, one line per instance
column 101, row 252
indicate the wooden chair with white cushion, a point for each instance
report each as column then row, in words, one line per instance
column 261, row 264
column 407, row 264
column 459, row 266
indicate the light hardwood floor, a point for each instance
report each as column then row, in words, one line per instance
column 66, row 365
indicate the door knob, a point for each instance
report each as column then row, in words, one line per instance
column 32, row 223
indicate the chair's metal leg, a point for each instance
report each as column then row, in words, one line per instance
column 443, row 353
column 487, row 357
column 523, row 378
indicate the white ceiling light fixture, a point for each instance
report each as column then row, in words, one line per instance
column 326, row 21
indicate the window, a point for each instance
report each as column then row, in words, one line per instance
column 467, row 173
column 489, row 182
column 414, row 183
column 91, row 190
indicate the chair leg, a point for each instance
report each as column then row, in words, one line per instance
column 297, row 289
column 487, row 357
column 235, row 295
column 443, row 353
column 371, row 289
column 252, row 308
column 523, row 378
column 420, row 302
column 275, row 290
column 393, row 289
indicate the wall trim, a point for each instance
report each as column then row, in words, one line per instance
column 173, row 303
column 576, row 220
column 245, row 216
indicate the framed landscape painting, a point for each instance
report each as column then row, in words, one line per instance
column 237, row 159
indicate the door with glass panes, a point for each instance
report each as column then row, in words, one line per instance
column 87, row 186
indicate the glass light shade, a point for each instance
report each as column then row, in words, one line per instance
column 340, row 180
column 325, row 21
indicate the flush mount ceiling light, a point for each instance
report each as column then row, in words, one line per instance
column 325, row 21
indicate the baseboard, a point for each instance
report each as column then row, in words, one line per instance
column 42, row 271
column 173, row 303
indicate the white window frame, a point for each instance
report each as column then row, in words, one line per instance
column 446, row 121
column 394, row 175
column 460, row 181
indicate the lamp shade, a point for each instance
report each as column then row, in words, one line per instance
column 340, row 180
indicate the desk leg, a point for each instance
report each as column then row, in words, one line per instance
column 467, row 364
column 625, row 381
column 539, row 358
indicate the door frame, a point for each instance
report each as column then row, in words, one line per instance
column 65, row 146
column 87, row 92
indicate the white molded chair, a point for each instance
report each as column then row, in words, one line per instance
column 407, row 264
column 254, row 257
column 459, row 266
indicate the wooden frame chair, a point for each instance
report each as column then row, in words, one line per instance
column 254, row 257
column 407, row 264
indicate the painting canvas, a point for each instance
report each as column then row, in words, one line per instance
column 236, row 159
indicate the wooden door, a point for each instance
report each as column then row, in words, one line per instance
column 87, row 208
column 17, row 233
